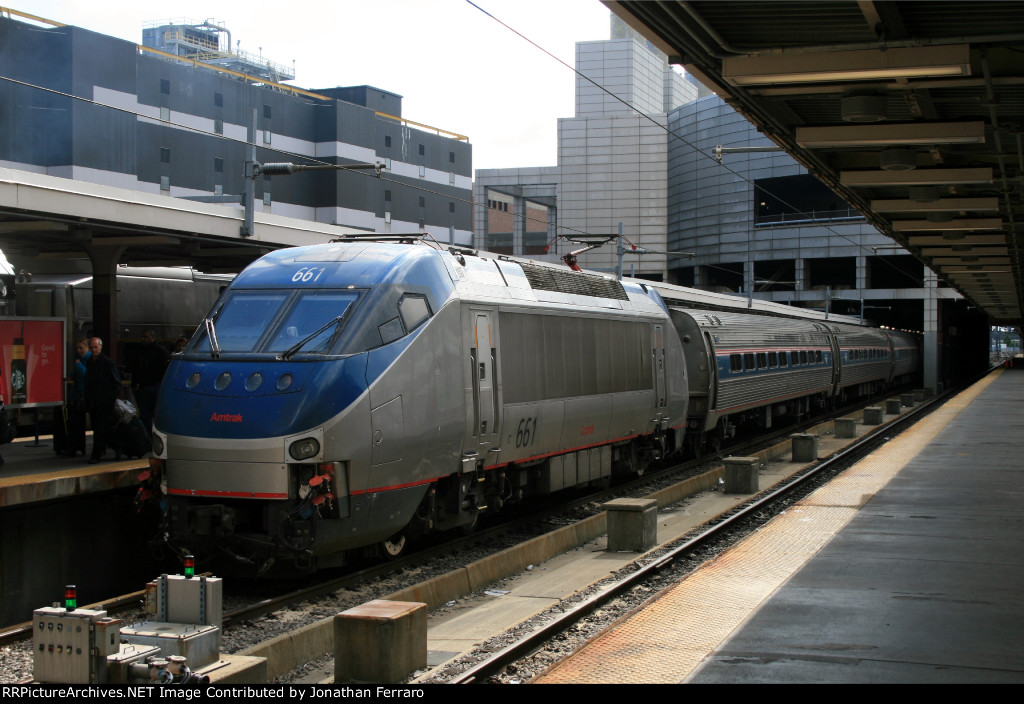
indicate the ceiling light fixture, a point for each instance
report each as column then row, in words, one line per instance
column 891, row 135
column 859, row 65
column 969, row 224
column 917, row 177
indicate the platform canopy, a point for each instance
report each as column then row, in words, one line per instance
column 913, row 112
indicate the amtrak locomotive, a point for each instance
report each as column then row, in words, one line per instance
column 360, row 393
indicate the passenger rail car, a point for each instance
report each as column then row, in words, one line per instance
column 362, row 392
column 168, row 300
column 753, row 368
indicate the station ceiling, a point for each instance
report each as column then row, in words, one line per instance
column 913, row 112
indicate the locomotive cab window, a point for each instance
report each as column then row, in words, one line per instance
column 278, row 321
column 414, row 309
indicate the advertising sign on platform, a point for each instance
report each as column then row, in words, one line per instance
column 32, row 362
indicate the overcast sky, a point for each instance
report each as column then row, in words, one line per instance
column 455, row 67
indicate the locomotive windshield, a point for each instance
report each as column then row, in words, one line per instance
column 278, row 321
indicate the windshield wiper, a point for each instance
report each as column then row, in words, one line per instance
column 211, row 332
column 298, row 345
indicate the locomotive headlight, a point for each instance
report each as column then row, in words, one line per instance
column 304, row 449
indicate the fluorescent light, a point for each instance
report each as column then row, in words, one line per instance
column 938, row 240
column 970, row 251
column 960, row 224
column 916, row 177
column 904, row 133
column 952, row 261
column 861, row 65
column 942, row 205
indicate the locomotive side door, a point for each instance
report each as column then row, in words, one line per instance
column 483, row 355
column 658, row 353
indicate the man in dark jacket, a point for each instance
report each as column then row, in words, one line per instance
column 102, row 388
column 147, row 372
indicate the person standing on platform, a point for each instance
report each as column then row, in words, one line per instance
column 76, row 404
column 147, row 373
column 102, row 388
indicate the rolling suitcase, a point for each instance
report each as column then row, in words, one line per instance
column 131, row 438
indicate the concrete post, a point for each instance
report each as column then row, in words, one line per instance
column 893, row 406
column 380, row 641
column 846, row 427
column 632, row 524
column 805, row 447
column 741, row 475
column 873, row 415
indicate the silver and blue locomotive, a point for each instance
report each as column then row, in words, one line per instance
column 361, row 393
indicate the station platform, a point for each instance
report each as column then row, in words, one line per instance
column 907, row 568
column 33, row 472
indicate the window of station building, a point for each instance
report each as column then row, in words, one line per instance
column 451, row 157
column 218, row 99
column 165, row 114
column 218, row 165
column 165, row 184
column 796, row 199
column 218, row 126
column 266, row 111
column 165, row 155
column 423, row 150
column 266, row 136
column 535, row 234
column 499, row 222
column 165, row 86
column 423, row 201
column 387, row 141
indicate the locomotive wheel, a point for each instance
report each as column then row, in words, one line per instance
column 470, row 528
column 393, row 547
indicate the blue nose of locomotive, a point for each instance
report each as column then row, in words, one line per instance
column 256, row 399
